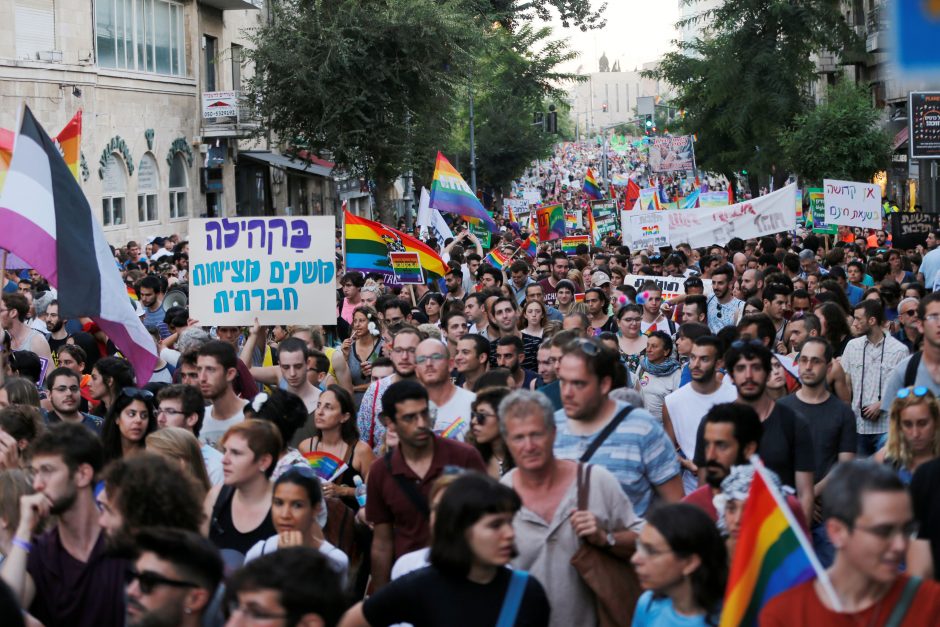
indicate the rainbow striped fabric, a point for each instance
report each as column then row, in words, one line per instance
column 69, row 141
column 497, row 258
column 571, row 221
column 531, row 246
column 368, row 244
column 772, row 555
column 451, row 194
column 326, row 465
column 551, row 219
column 591, row 188
column 592, row 227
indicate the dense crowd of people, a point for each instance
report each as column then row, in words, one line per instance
column 463, row 457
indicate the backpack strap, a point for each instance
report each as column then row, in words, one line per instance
column 513, row 599
column 910, row 372
column 225, row 495
column 414, row 495
column 904, row 603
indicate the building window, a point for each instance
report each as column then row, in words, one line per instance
column 179, row 187
column 236, row 67
column 35, row 28
column 141, row 35
column 211, row 47
column 113, row 192
column 147, row 189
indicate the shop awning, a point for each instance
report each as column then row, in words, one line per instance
column 286, row 163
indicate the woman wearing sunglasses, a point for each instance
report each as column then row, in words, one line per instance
column 913, row 432
column 484, row 432
column 131, row 418
column 296, row 510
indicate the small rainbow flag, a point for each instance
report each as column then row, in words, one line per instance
column 592, row 227
column 531, row 246
column 69, row 141
column 571, row 221
column 569, row 245
column 326, row 465
column 772, row 556
column 497, row 258
column 451, row 194
column 369, row 243
column 132, row 292
column 512, row 216
column 591, row 188
column 579, row 297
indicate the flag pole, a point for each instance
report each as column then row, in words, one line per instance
column 821, row 573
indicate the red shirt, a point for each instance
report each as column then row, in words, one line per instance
column 801, row 606
column 387, row 502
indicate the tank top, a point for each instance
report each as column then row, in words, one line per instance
column 24, row 345
column 232, row 543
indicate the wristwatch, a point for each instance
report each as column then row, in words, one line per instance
column 611, row 539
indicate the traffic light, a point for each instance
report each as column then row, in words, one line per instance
column 649, row 121
column 743, row 172
column 604, row 107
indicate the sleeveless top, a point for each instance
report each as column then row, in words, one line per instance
column 347, row 477
column 232, row 543
column 24, row 345
column 355, row 368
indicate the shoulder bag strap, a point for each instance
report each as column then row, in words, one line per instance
column 513, row 599
column 613, row 424
column 584, row 485
column 910, row 372
column 417, row 499
column 904, row 603
column 375, row 400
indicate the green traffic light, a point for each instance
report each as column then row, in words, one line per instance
column 743, row 172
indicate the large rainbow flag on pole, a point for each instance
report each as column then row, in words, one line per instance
column 591, row 188
column 451, row 194
column 772, row 555
column 368, row 244
column 592, row 227
column 69, row 143
column 551, row 220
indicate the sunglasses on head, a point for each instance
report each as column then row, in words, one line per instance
column 138, row 394
column 919, row 391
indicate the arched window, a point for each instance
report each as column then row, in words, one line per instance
column 179, row 187
column 147, row 189
column 113, row 192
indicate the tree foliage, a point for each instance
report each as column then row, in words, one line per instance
column 839, row 139
column 747, row 79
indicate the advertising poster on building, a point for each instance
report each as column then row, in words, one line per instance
column 924, row 135
column 669, row 154
column 274, row 269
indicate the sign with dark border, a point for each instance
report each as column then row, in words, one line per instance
column 924, row 119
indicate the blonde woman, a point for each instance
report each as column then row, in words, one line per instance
column 913, row 432
column 181, row 447
column 575, row 277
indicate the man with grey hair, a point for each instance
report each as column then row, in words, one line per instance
column 909, row 333
column 809, row 264
column 551, row 526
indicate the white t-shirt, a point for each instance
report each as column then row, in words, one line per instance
column 337, row 558
column 686, row 409
column 213, row 430
column 452, row 419
column 410, row 562
column 213, row 461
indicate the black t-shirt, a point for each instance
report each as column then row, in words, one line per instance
column 786, row 446
column 832, row 425
column 428, row 597
column 927, row 508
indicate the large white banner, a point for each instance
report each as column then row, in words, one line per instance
column 852, row 204
column 670, row 285
column 758, row 217
column 279, row 270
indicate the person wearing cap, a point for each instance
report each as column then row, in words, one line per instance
column 161, row 248
column 601, row 280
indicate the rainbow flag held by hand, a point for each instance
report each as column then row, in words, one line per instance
column 368, row 245
column 591, row 188
column 772, row 555
column 497, row 258
column 451, row 194
column 531, row 246
column 326, row 465
column 592, row 227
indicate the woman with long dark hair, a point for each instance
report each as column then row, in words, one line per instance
column 835, row 326
column 109, row 376
column 467, row 583
column 682, row 562
column 484, row 431
column 131, row 418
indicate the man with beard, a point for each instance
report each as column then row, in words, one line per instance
column 831, row 422
column 724, row 310
column 216, row 364
column 450, row 405
column 173, row 580
column 509, row 355
column 150, row 291
column 400, row 484
column 752, row 282
column 786, row 444
column 732, row 435
column 64, row 387
column 475, row 310
column 145, row 491
column 684, row 408
column 472, row 359
column 559, row 272
column 454, row 325
column 56, row 326
column 64, row 577
column 404, row 345
column 635, row 448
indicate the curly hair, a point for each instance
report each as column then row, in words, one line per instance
column 149, row 491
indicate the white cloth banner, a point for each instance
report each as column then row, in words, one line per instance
column 758, row 217
column 424, row 212
column 852, row 204
column 670, row 285
column 431, row 222
column 278, row 270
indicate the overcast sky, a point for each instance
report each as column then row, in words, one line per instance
column 637, row 32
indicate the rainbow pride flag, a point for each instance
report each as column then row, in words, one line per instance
column 512, row 216
column 369, row 243
column 497, row 258
column 70, row 140
column 569, row 245
column 327, row 466
column 591, row 188
column 531, row 246
column 571, row 221
column 772, row 556
column 592, row 227
column 551, row 220
column 451, row 194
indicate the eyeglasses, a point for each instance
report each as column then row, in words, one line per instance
column 138, row 394
column 480, row 417
column 919, row 391
column 147, row 580
column 631, row 320
column 253, row 613
column 887, row 532
column 169, row 411
column 432, row 357
column 934, row 317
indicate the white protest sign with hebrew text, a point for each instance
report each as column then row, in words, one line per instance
column 852, row 204
column 279, row 270
column 646, row 228
column 670, row 285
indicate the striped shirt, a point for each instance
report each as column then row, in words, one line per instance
column 870, row 366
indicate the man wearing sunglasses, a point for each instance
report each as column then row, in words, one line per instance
column 868, row 516
column 173, row 578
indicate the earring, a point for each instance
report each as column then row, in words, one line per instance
column 187, row 610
